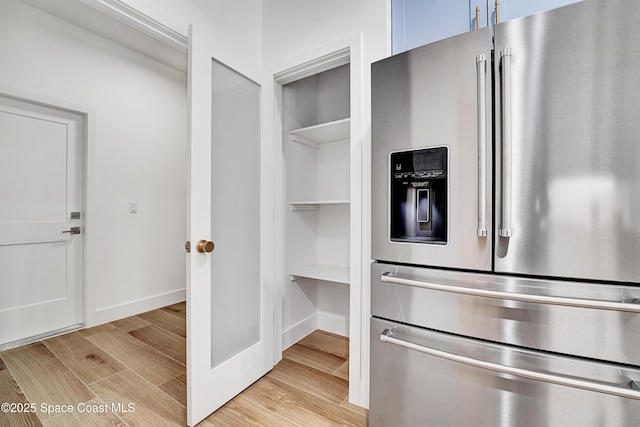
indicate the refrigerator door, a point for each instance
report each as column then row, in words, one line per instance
column 426, row 378
column 434, row 99
column 568, row 143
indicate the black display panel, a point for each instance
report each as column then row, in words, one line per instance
column 419, row 193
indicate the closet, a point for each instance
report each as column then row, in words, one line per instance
column 319, row 219
column 316, row 158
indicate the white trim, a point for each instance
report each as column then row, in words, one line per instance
column 334, row 323
column 388, row 39
column 133, row 18
column 280, row 338
column 315, row 66
column 295, row 333
column 357, row 352
column 364, row 393
column 45, row 101
column 331, row 55
column 142, row 305
column 323, row 320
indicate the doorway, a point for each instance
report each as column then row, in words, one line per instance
column 320, row 255
column 41, row 221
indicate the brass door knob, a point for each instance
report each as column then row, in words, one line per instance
column 205, row 246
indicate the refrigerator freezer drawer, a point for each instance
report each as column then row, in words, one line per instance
column 599, row 321
column 514, row 387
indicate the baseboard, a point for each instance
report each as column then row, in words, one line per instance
column 295, row 333
column 334, row 323
column 109, row 314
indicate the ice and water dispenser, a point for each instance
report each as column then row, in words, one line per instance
column 418, row 200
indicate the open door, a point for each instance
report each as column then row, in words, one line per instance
column 229, row 224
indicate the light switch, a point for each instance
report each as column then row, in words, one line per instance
column 133, row 207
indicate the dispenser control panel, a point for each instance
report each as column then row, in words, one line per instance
column 419, row 195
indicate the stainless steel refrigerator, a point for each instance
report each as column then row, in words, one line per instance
column 506, row 225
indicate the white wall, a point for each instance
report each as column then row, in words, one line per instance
column 237, row 21
column 140, row 145
column 292, row 29
column 140, row 140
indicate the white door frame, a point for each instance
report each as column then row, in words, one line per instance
column 88, row 191
column 347, row 50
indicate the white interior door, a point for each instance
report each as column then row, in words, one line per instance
column 229, row 290
column 41, row 268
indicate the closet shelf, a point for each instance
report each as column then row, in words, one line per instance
column 330, row 273
column 314, row 205
column 313, row 136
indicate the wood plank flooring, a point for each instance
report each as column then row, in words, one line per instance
column 139, row 364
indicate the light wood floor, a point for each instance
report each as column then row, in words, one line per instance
column 140, row 361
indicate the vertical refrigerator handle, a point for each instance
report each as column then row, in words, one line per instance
column 481, row 69
column 505, row 214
